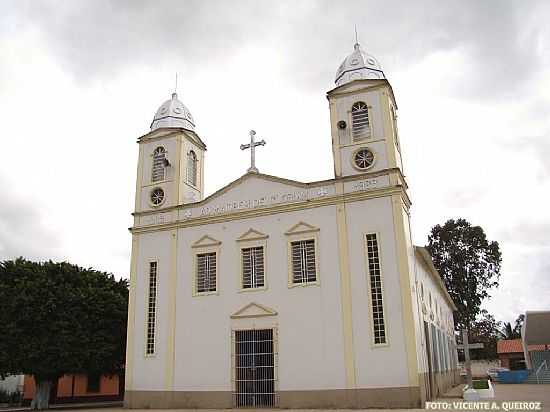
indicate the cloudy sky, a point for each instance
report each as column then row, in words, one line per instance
column 81, row 80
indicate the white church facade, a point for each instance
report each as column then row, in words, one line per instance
column 277, row 293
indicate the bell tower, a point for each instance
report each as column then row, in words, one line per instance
column 171, row 160
column 363, row 118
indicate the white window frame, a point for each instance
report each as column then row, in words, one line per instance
column 146, row 329
column 303, row 231
column 382, row 288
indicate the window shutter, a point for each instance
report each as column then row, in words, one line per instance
column 253, row 267
column 206, row 272
column 159, row 155
column 360, row 123
column 192, row 168
column 303, row 261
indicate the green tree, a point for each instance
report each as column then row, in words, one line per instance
column 485, row 330
column 508, row 332
column 468, row 264
column 58, row 318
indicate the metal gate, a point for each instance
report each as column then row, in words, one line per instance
column 254, row 369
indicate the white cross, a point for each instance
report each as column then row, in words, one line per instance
column 252, row 146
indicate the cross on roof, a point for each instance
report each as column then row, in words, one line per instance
column 252, row 146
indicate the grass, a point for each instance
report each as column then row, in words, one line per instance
column 481, row 384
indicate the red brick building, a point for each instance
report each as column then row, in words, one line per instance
column 511, row 355
column 79, row 388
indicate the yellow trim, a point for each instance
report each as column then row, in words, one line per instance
column 252, row 234
column 295, row 237
column 362, row 142
column 206, row 241
column 267, row 311
column 387, row 132
column 170, row 355
column 271, row 210
column 301, row 227
column 128, row 383
column 384, row 309
column 261, row 240
column 405, row 271
column 345, row 290
column 201, row 250
column 139, row 180
column 335, row 138
column 177, row 178
column 310, row 185
column 146, row 306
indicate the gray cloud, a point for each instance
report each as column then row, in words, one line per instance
column 23, row 230
column 99, row 38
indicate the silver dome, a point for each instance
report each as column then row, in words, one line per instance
column 173, row 113
column 358, row 65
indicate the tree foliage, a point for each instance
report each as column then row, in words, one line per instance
column 58, row 318
column 469, row 265
column 485, row 330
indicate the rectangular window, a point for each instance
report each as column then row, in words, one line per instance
column 253, row 267
column 151, row 309
column 303, row 261
column 206, row 272
column 375, row 283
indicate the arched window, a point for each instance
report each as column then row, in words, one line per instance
column 360, row 123
column 192, row 168
column 159, row 164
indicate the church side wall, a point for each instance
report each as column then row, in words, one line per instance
column 436, row 347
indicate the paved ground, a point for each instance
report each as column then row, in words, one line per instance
column 503, row 393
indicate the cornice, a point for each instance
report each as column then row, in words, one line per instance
column 367, row 175
column 274, row 209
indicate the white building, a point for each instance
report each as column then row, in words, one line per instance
column 273, row 292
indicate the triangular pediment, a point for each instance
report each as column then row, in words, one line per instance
column 206, row 241
column 253, row 310
column 301, row 227
column 252, row 234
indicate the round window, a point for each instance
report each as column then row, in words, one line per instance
column 157, row 196
column 363, row 159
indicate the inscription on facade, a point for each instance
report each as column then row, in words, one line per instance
column 268, row 200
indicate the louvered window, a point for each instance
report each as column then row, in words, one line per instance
column 192, row 168
column 253, row 267
column 159, row 157
column 151, row 309
column 375, row 280
column 360, row 123
column 303, row 261
column 206, row 272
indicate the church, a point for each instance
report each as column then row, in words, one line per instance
column 276, row 293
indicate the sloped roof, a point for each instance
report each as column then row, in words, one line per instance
column 515, row 346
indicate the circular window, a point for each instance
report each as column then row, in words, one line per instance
column 157, row 196
column 363, row 159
